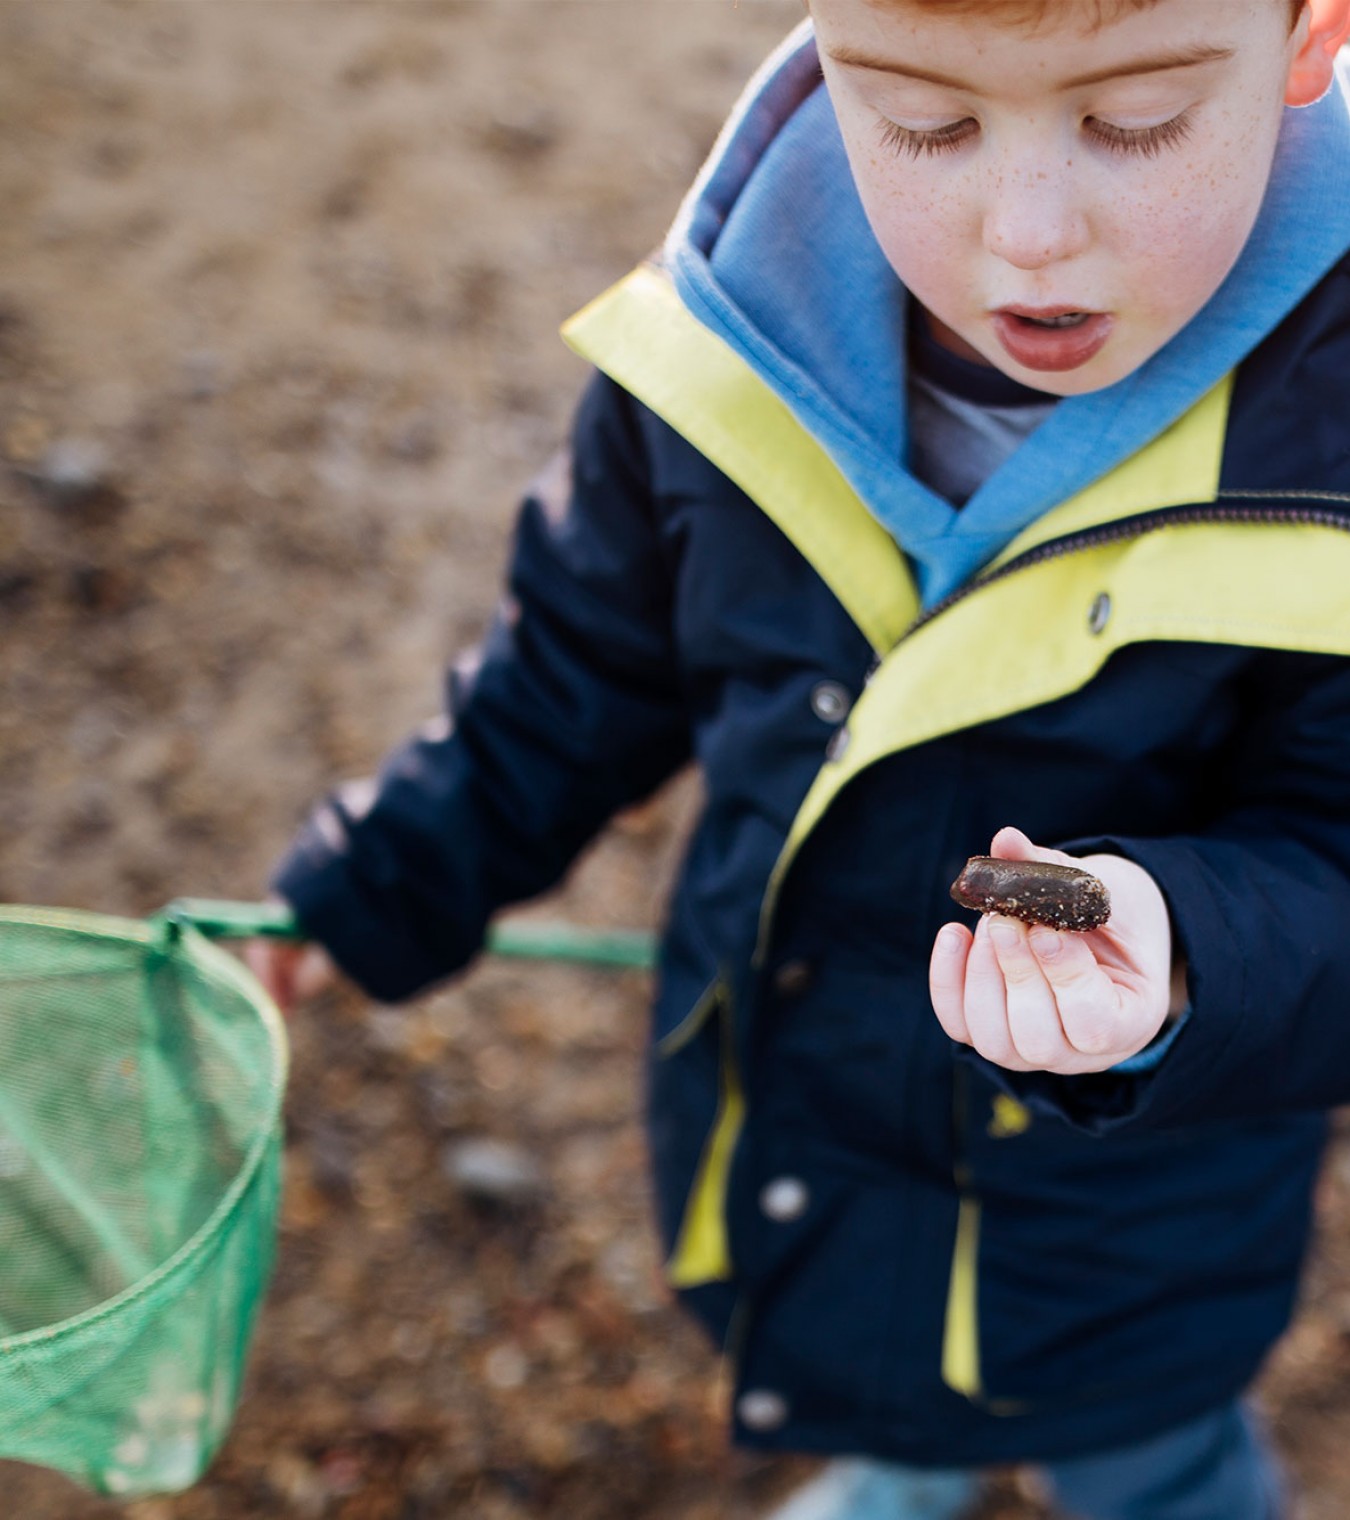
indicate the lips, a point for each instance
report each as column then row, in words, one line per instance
column 1051, row 338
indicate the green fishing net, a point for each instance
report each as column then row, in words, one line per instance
column 141, row 1076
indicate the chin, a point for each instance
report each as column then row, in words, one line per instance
column 1069, row 383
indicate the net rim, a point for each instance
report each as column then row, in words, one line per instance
column 217, row 966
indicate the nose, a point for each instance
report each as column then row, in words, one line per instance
column 1033, row 216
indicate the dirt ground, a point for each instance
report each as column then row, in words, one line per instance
column 279, row 288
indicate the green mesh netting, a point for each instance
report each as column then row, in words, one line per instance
column 141, row 1075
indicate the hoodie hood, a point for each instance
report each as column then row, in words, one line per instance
column 773, row 252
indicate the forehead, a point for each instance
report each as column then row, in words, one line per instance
column 1034, row 15
column 1028, row 14
column 1057, row 45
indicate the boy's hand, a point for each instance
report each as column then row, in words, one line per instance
column 1031, row 998
column 291, row 972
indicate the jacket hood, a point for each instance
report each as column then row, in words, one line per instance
column 773, row 252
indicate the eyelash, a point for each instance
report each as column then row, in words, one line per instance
column 1148, row 142
column 924, row 144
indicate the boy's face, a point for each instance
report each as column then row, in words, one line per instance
column 1062, row 199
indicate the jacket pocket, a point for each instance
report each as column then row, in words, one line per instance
column 691, row 1025
column 866, row 1066
column 1102, row 1268
column 697, row 1057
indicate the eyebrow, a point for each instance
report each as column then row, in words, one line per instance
column 1184, row 58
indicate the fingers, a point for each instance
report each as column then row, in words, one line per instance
column 314, row 973
column 271, row 964
column 1087, row 1002
column 1034, row 1030
column 1063, row 1012
column 947, row 980
column 1027, row 1000
column 987, row 1001
column 967, row 988
column 290, row 973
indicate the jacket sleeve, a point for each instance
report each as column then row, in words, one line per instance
column 1260, row 906
column 571, row 709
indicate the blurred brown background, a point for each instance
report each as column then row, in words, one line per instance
column 279, row 289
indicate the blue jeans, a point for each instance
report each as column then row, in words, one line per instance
column 1214, row 1468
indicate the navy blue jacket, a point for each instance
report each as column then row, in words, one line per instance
column 926, row 1257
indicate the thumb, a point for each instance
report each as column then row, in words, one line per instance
column 1012, row 844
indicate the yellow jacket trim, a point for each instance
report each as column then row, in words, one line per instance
column 673, row 1042
column 641, row 335
column 961, row 1334
column 702, row 1252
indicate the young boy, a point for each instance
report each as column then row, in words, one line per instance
column 976, row 452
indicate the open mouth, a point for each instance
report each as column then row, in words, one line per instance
column 1051, row 338
column 1065, row 319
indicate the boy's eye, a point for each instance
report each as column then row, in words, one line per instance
column 1147, row 141
column 915, row 144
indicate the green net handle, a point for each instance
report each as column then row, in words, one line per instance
column 527, row 939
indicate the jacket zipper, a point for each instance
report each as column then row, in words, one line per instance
column 1333, row 513
column 1331, row 510
column 1312, row 508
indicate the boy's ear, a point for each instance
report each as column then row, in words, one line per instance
column 1322, row 28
